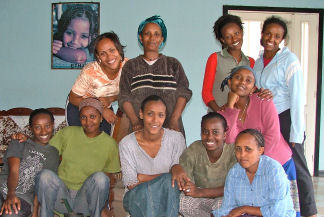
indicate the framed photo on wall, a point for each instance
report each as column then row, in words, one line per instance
column 75, row 25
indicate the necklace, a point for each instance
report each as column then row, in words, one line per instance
column 238, row 59
column 240, row 118
column 151, row 59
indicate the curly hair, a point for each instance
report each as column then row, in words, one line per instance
column 275, row 20
column 223, row 21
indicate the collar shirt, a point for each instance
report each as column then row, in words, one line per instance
column 269, row 190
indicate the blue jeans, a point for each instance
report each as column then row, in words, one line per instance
column 89, row 199
column 155, row 198
column 73, row 118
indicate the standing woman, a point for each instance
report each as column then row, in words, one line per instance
column 147, row 156
column 99, row 79
column 154, row 74
column 228, row 30
column 279, row 71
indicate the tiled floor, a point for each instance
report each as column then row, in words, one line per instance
column 318, row 186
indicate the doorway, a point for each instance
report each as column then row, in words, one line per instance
column 303, row 40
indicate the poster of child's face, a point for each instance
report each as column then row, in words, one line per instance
column 74, row 28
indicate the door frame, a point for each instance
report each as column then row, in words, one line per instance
column 320, row 12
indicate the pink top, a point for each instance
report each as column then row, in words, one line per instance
column 261, row 115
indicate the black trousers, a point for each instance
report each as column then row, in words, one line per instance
column 304, row 180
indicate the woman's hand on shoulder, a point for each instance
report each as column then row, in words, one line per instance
column 174, row 125
column 109, row 115
column 20, row 137
column 106, row 101
column 12, row 203
column 264, row 94
column 56, row 46
column 179, row 175
column 137, row 125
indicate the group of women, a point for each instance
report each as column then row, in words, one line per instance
column 246, row 152
column 152, row 90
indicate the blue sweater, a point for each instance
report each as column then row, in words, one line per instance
column 284, row 77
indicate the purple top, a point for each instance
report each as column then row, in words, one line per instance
column 261, row 115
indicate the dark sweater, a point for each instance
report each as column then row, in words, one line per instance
column 165, row 78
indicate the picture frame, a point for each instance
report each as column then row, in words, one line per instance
column 75, row 25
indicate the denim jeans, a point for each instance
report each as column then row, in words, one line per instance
column 155, row 198
column 89, row 199
column 73, row 118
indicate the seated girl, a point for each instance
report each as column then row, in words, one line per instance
column 147, row 156
column 22, row 162
column 89, row 156
column 246, row 110
column 206, row 162
column 257, row 185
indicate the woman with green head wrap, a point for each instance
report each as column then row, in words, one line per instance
column 153, row 73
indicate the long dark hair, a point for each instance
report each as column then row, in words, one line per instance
column 75, row 11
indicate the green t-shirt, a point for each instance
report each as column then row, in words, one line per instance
column 83, row 156
column 201, row 171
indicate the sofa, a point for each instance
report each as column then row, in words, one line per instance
column 17, row 120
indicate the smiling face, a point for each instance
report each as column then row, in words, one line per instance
column 248, row 152
column 271, row 37
column 90, row 121
column 42, row 128
column 232, row 36
column 108, row 54
column 77, row 34
column 151, row 37
column 242, row 82
column 153, row 116
column 213, row 134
